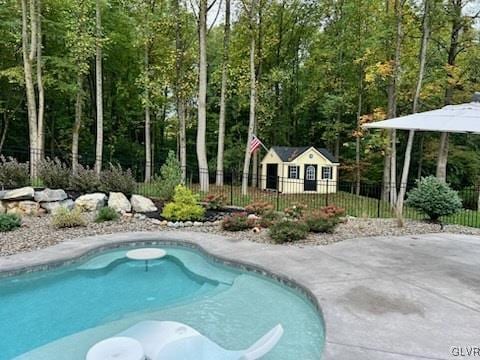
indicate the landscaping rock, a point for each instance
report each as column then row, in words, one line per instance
column 28, row 207
column 253, row 217
column 155, row 221
column 91, row 202
column 50, row 207
column 188, row 223
column 171, row 224
column 197, row 223
column 49, row 195
column 3, row 209
column 25, row 193
column 140, row 216
column 119, row 202
column 142, row 204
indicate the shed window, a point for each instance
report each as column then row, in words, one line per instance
column 327, row 173
column 293, row 172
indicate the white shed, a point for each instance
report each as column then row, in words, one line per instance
column 294, row 170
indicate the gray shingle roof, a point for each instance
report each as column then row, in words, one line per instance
column 287, row 153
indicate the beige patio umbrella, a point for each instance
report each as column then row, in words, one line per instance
column 461, row 118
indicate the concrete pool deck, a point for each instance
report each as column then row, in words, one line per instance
column 383, row 298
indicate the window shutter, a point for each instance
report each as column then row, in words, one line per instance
column 298, row 172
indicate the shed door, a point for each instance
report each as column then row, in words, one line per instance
column 272, row 173
column 310, row 178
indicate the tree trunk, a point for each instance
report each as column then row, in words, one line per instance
column 40, row 87
column 99, row 95
column 202, row 98
column 442, row 157
column 393, row 168
column 29, row 48
column 404, row 180
column 357, row 140
column 179, row 95
column 148, row 143
column 78, row 123
column 6, row 121
column 457, row 25
column 423, row 53
column 420, row 157
column 253, row 95
column 223, row 96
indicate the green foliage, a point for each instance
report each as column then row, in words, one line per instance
column 296, row 211
column 13, row 174
column 269, row 218
column 106, row 214
column 237, row 222
column 434, row 198
column 9, row 222
column 115, row 179
column 85, row 180
column 170, row 177
column 324, row 220
column 214, row 201
column 184, row 206
column 65, row 218
column 288, row 231
column 54, row 173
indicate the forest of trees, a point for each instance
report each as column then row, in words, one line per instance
column 98, row 81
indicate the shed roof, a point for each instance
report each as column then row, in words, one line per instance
column 287, row 153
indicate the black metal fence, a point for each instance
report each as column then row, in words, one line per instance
column 367, row 200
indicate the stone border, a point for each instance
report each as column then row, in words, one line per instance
column 79, row 249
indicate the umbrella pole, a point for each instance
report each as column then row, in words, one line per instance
column 404, row 180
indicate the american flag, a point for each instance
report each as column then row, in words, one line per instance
column 255, row 144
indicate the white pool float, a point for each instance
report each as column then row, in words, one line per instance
column 170, row 340
column 116, row 348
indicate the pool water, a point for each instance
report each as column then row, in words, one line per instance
column 60, row 314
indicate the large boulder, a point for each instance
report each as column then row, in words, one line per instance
column 51, row 207
column 91, row 202
column 49, row 195
column 119, row 202
column 24, row 207
column 25, row 193
column 3, row 209
column 142, row 204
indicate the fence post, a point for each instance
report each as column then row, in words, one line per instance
column 378, row 202
column 231, row 187
column 326, row 197
column 278, row 193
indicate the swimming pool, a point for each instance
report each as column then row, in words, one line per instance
column 59, row 314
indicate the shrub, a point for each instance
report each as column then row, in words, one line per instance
column 324, row 220
column 13, row 174
column 184, row 206
column 54, row 174
column 319, row 222
column 269, row 218
column 106, row 214
column 214, row 201
column 170, row 177
column 259, row 208
column 115, row 179
column 85, row 180
column 287, row 230
column 9, row 222
column 65, row 218
column 296, row 211
column 434, row 198
column 237, row 222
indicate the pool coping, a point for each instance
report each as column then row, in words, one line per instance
column 75, row 250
